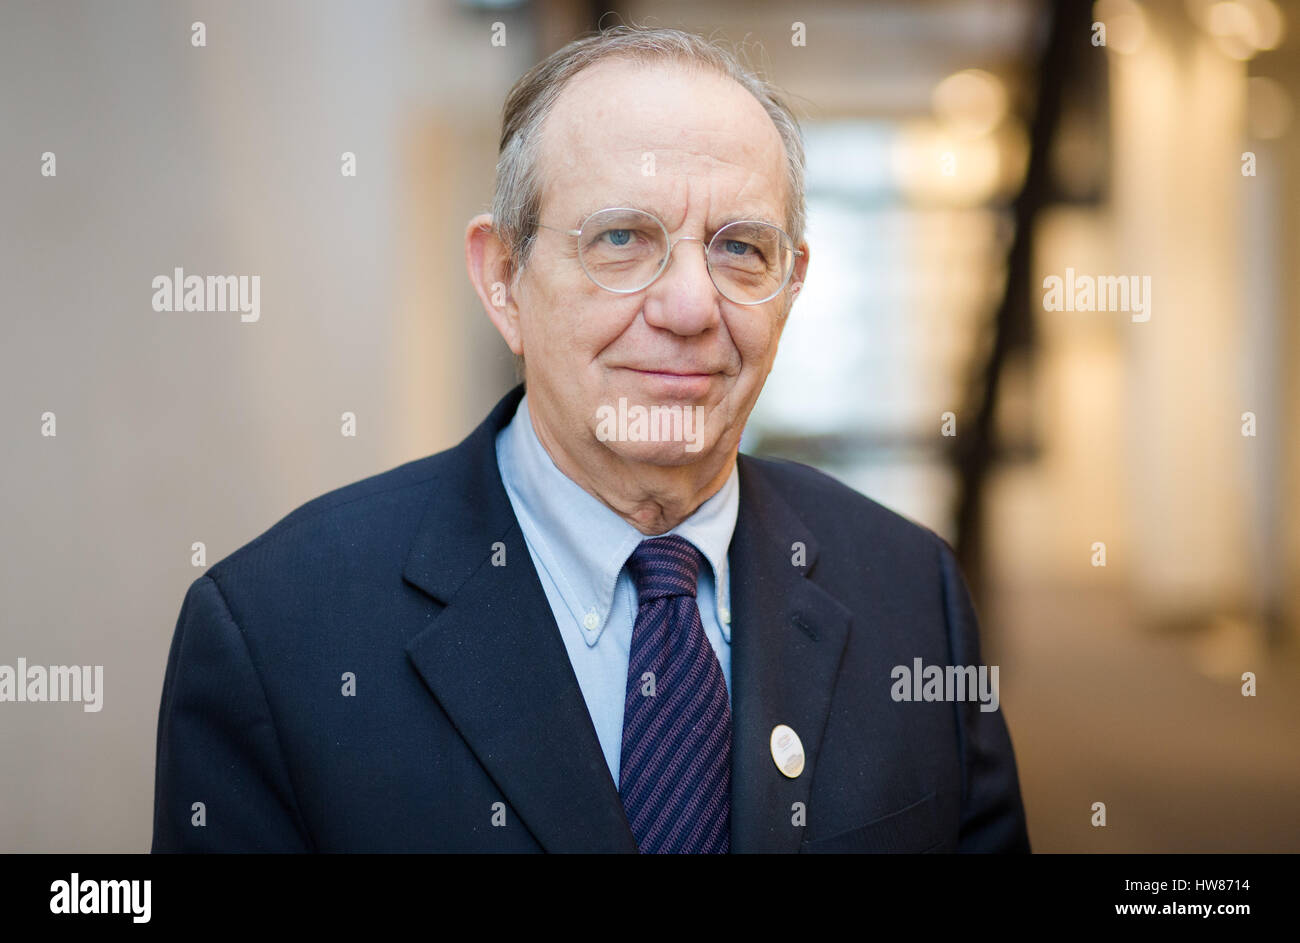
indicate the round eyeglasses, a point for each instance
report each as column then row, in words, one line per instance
column 624, row 250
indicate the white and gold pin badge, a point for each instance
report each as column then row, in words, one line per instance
column 787, row 751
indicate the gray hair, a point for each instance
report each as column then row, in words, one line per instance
column 516, row 203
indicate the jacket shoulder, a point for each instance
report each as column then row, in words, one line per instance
column 346, row 521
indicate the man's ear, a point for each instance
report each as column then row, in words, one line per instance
column 797, row 278
column 800, row 268
column 488, row 261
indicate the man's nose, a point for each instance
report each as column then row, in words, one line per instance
column 683, row 299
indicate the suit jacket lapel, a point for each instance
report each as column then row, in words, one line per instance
column 788, row 636
column 495, row 661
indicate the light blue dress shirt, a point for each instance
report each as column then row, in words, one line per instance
column 579, row 547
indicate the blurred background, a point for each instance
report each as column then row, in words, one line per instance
column 960, row 152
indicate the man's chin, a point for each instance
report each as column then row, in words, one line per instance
column 663, row 454
column 658, row 434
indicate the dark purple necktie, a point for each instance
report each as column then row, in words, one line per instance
column 675, row 771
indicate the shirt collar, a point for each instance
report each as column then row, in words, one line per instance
column 583, row 544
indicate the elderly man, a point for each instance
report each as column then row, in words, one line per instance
column 593, row 625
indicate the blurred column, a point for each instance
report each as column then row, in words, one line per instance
column 1178, row 112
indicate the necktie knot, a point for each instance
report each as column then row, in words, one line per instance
column 665, row 566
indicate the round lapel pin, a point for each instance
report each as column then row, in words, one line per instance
column 787, row 751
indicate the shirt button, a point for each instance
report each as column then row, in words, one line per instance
column 724, row 614
column 591, row 620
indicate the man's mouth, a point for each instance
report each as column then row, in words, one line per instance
column 674, row 383
column 666, row 372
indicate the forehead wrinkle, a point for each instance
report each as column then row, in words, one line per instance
column 758, row 197
column 675, row 219
column 676, row 154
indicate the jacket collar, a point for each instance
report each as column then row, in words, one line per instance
column 494, row 659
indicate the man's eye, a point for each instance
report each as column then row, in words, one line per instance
column 618, row 237
column 736, row 247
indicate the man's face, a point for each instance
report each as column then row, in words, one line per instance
column 697, row 151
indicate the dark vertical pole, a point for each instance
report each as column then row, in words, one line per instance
column 975, row 449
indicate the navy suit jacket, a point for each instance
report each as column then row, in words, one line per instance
column 465, row 728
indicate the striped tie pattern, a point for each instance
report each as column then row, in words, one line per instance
column 675, row 771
